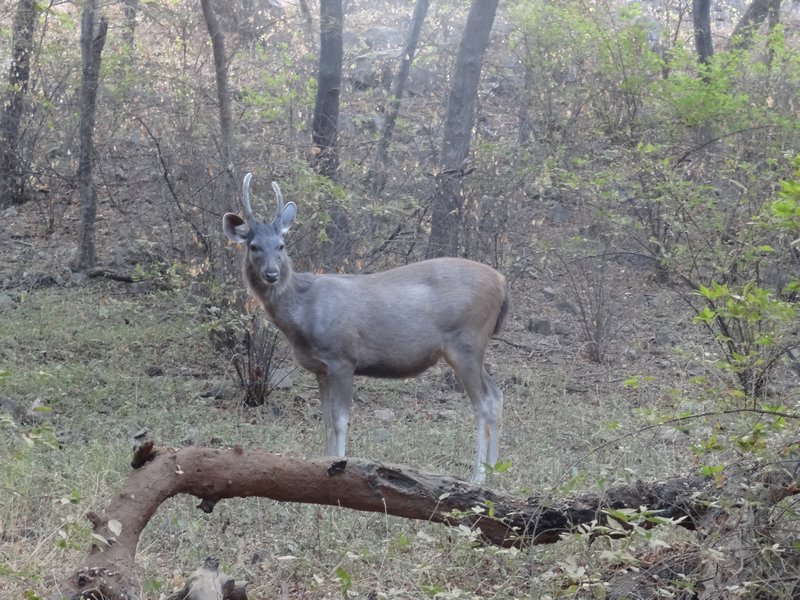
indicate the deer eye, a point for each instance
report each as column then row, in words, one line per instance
column 280, row 246
column 253, row 247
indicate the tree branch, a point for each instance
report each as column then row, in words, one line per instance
column 213, row 475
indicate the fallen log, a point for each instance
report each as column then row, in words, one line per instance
column 215, row 474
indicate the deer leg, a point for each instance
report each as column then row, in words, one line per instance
column 336, row 395
column 487, row 401
column 496, row 402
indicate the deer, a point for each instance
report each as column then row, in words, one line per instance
column 391, row 324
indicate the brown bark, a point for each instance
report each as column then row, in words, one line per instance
column 93, row 38
column 213, row 475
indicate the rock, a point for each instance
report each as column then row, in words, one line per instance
column 380, row 435
column 386, row 415
column 381, row 37
column 78, row 278
column 548, row 293
column 9, row 406
column 219, row 389
column 542, row 326
column 43, row 280
column 567, row 307
column 670, row 435
column 191, row 437
column 38, row 413
column 561, row 329
column 558, row 214
column 281, row 379
column 6, row 301
column 140, row 287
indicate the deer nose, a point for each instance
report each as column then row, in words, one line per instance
column 271, row 276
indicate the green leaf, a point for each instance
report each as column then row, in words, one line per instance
column 705, row 316
column 345, row 580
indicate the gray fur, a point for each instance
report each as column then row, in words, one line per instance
column 396, row 323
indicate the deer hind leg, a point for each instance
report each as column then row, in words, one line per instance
column 336, row 395
column 487, row 403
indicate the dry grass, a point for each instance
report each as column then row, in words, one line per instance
column 85, row 354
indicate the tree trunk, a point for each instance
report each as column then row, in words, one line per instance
column 752, row 19
column 378, row 172
column 704, row 46
column 446, row 216
column 308, row 23
column 325, row 126
column 93, row 38
column 12, row 167
column 224, row 102
column 130, row 10
column 701, row 18
column 213, row 475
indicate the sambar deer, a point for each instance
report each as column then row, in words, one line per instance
column 396, row 323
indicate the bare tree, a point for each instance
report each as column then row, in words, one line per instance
column 701, row 18
column 223, row 98
column 325, row 127
column 446, row 217
column 751, row 20
column 93, row 38
column 12, row 169
column 130, row 10
column 377, row 173
column 308, row 22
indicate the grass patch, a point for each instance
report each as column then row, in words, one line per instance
column 106, row 364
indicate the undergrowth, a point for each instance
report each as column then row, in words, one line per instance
column 100, row 365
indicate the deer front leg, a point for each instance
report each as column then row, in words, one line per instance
column 336, row 395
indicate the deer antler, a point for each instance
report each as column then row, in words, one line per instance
column 278, row 196
column 248, row 211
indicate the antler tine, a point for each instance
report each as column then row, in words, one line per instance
column 248, row 211
column 278, row 196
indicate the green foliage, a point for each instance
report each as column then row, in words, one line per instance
column 162, row 275
column 785, row 211
column 617, row 535
column 716, row 97
column 345, row 581
column 282, row 90
column 752, row 327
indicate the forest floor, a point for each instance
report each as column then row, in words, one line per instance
column 87, row 364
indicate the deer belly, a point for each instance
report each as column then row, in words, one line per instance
column 392, row 371
column 396, row 369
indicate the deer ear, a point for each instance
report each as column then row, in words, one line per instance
column 287, row 216
column 234, row 227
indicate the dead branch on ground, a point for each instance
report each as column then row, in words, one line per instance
column 215, row 474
